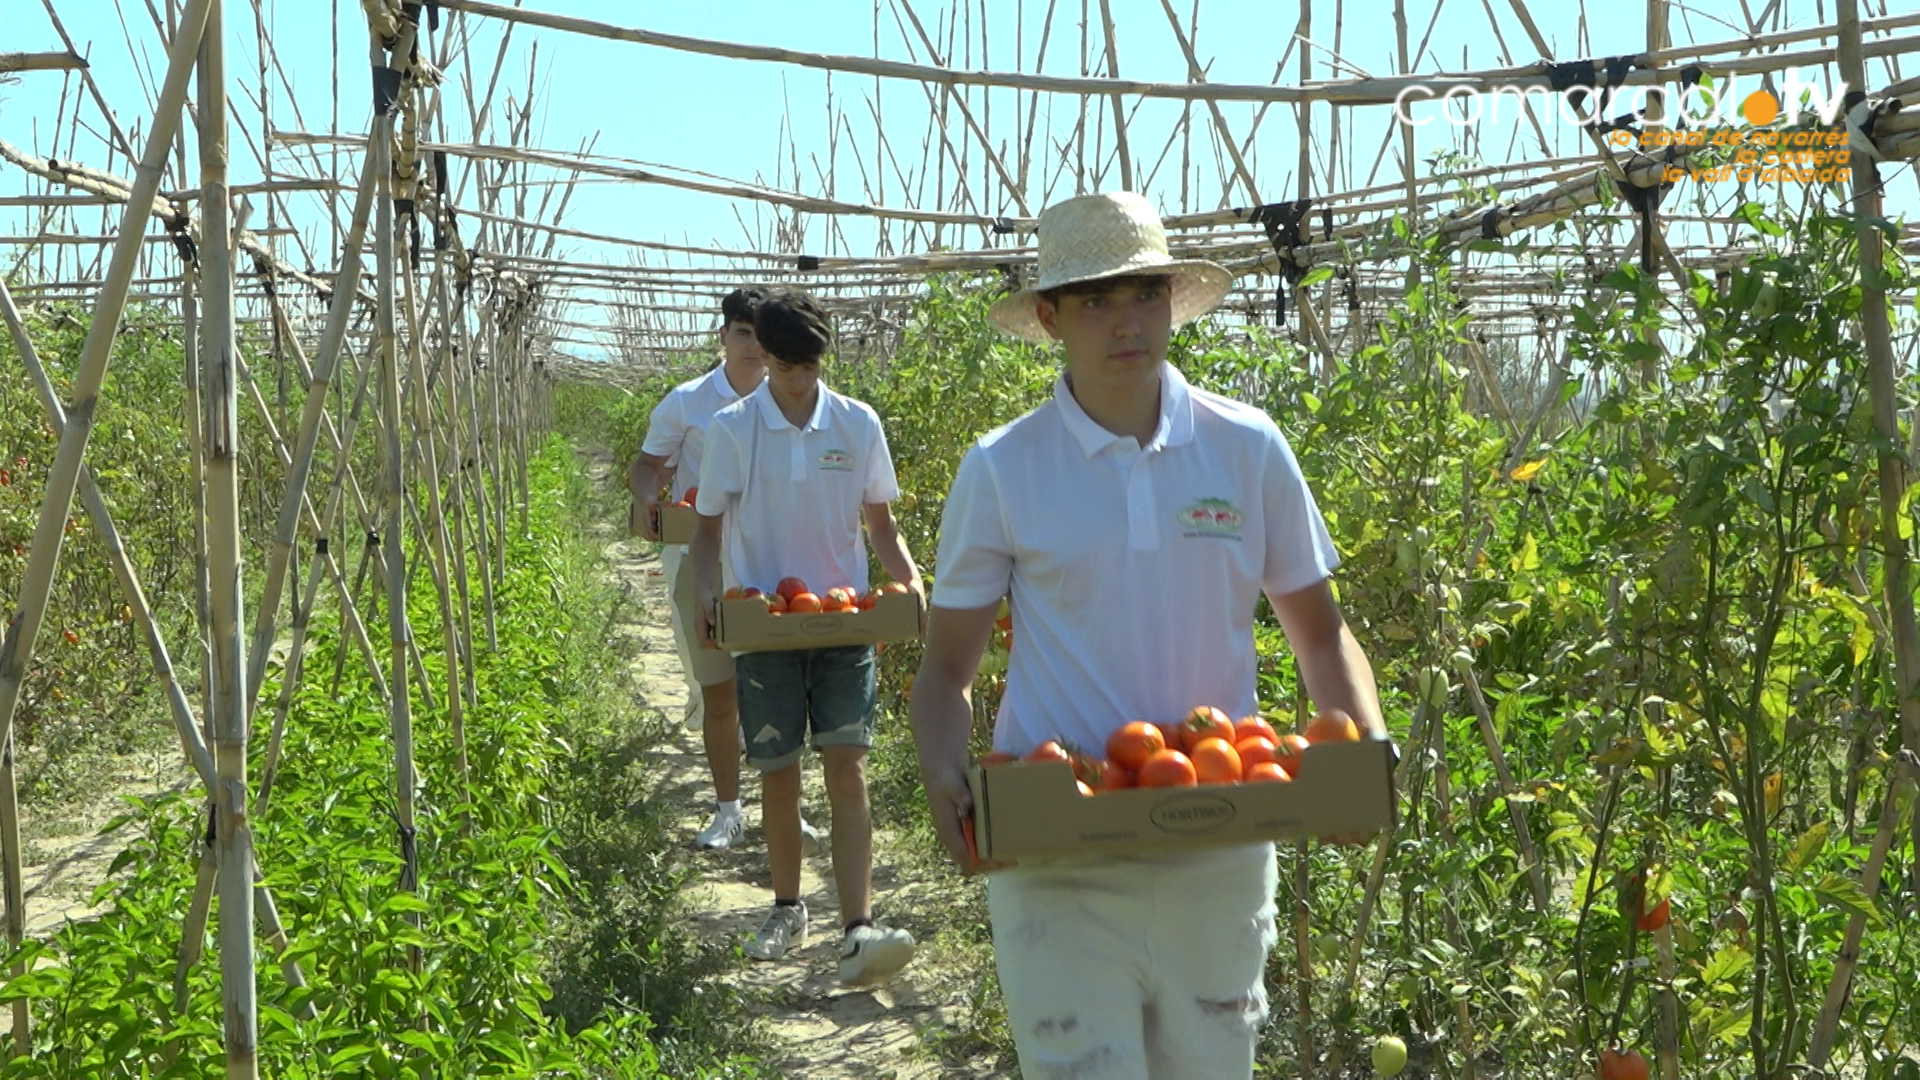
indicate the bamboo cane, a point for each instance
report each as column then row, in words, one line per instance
column 233, row 833
column 1868, row 203
column 314, row 408
column 191, row 742
column 436, row 524
column 400, row 703
column 1529, row 856
column 290, row 680
column 96, row 353
column 1827, row 1028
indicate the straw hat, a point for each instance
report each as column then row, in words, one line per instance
column 1101, row 236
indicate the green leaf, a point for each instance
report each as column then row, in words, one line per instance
column 1773, row 703
column 1726, row 965
column 1727, row 1025
column 1810, row 844
column 1846, row 894
column 1315, row 276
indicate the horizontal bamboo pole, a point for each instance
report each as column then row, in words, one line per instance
column 1369, row 91
column 47, row 61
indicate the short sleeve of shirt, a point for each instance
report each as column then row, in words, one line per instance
column 1299, row 550
column 723, row 469
column 974, row 564
column 881, row 484
column 667, row 427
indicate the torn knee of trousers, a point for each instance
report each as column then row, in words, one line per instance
column 1069, row 1062
column 1248, row 1010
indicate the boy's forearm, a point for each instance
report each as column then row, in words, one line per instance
column 897, row 561
column 1339, row 676
column 941, row 716
column 706, row 557
column 643, row 480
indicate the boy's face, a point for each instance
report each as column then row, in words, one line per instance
column 1119, row 329
column 792, row 384
column 741, row 345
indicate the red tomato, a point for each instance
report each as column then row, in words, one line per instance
column 1266, row 772
column 1248, row 726
column 1256, row 749
column 1619, row 1065
column 1333, row 725
column 1134, row 743
column 1656, row 918
column 1287, row 755
column 1049, row 751
column 1168, row 768
column 790, row 588
column 1205, row 722
column 1215, row 761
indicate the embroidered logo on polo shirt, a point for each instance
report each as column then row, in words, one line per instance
column 837, row 460
column 1213, row 517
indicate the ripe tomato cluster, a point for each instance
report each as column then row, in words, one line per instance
column 792, row 596
column 1205, row 748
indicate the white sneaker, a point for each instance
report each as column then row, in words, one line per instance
column 725, row 829
column 696, row 715
column 810, row 839
column 785, row 928
column 872, row 954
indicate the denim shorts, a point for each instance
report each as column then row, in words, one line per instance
column 786, row 693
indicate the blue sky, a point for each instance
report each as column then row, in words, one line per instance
column 748, row 121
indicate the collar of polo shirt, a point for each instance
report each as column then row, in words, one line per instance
column 1176, row 415
column 777, row 420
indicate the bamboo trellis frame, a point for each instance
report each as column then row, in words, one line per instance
column 460, row 342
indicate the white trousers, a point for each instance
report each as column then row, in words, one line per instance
column 1148, row 968
column 673, row 563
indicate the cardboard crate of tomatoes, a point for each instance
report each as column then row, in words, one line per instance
column 679, row 519
column 793, row 617
column 1205, row 780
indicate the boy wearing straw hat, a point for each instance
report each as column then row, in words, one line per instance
column 790, row 473
column 1083, row 511
column 676, row 435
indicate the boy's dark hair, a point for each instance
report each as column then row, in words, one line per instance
column 792, row 326
column 740, row 305
column 1100, row 285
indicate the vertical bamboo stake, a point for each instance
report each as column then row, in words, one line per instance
column 16, row 653
column 1303, row 114
column 1406, row 140
column 1868, row 198
column 1828, row 1026
column 477, row 479
column 233, row 835
column 346, row 291
column 436, row 524
column 1528, row 855
column 393, row 486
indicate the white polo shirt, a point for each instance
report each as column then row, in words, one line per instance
column 1134, row 571
column 677, row 428
column 792, row 497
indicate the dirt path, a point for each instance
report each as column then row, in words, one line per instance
column 824, row 1031
column 66, row 853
